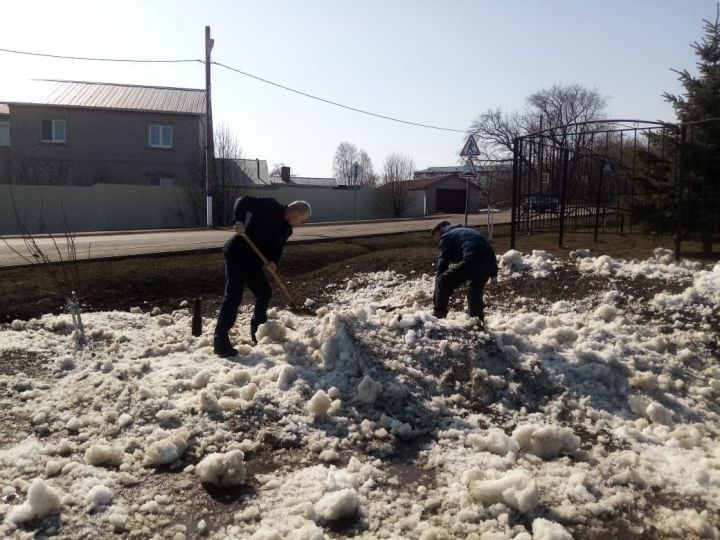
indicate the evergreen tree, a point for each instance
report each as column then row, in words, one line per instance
column 698, row 109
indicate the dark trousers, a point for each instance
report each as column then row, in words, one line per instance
column 475, row 273
column 237, row 276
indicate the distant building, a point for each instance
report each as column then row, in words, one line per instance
column 439, row 171
column 446, row 194
column 285, row 178
column 242, row 172
column 84, row 133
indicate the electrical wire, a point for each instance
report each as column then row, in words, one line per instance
column 64, row 57
column 330, row 102
column 241, row 72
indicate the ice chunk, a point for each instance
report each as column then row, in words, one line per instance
column 544, row 529
column 495, row 442
column 516, row 489
column 104, row 455
column 606, row 312
column 201, row 380
column 664, row 256
column 369, row 390
column 337, row 505
column 286, row 376
column 319, row 404
column 167, row 450
column 546, row 442
column 65, row 363
column 659, row 414
column 222, row 469
column 99, row 496
column 42, row 501
column 272, row 330
column 208, row 402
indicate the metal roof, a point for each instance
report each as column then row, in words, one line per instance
column 242, row 172
column 116, row 96
column 305, row 181
column 421, row 184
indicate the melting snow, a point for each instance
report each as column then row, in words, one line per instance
column 558, row 417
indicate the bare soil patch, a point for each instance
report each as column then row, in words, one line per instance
column 166, row 280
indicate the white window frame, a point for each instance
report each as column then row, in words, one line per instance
column 163, row 129
column 53, row 126
column 6, row 125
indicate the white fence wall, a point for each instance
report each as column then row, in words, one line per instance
column 110, row 207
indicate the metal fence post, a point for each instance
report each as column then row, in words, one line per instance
column 515, row 187
column 563, row 194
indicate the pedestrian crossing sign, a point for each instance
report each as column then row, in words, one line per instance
column 470, row 148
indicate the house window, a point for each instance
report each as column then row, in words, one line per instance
column 4, row 133
column 161, row 137
column 162, row 181
column 53, row 131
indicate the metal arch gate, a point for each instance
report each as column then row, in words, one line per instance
column 582, row 176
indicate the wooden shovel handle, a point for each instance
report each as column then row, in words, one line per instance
column 272, row 272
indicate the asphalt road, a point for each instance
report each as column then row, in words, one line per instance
column 124, row 244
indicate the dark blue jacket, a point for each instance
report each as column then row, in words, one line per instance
column 265, row 224
column 458, row 243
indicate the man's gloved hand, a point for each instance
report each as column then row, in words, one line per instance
column 270, row 266
column 239, row 228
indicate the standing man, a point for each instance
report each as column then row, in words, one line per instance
column 473, row 260
column 268, row 224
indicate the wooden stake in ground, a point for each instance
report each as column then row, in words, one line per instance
column 197, row 317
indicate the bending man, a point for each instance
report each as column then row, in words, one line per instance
column 465, row 256
column 268, row 224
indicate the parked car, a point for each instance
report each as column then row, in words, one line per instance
column 539, row 204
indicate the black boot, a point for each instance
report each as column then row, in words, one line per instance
column 253, row 331
column 223, row 348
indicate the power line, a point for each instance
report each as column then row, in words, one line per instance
column 136, row 61
column 278, row 85
column 330, row 102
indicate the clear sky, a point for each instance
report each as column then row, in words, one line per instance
column 433, row 62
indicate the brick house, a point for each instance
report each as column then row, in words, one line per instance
column 85, row 133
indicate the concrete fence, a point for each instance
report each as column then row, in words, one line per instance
column 115, row 207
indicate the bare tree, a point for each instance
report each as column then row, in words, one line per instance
column 555, row 107
column 277, row 168
column 555, row 111
column 231, row 175
column 63, row 272
column 345, row 155
column 49, row 172
column 397, row 171
column 367, row 176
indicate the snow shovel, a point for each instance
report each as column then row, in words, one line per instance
column 301, row 310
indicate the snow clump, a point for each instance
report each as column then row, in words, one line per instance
column 42, row 501
column 369, row 390
column 517, row 489
column 319, row 404
column 546, row 442
column 167, row 450
column 222, row 469
column 104, row 455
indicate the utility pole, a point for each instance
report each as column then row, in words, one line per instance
column 209, row 144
